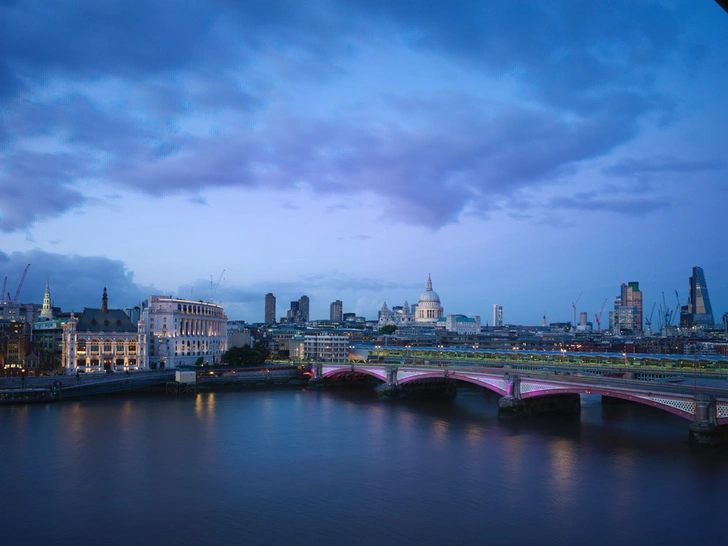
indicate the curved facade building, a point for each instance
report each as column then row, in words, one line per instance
column 183, row 332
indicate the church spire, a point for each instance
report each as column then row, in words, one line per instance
column 104, row 302
column 429, row 282
column 46, row 311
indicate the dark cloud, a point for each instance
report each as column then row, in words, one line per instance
column 76, row 281
column 591, row 68
column 29, row 196
column 460, row 155
column 626, row 205
column 662, row 165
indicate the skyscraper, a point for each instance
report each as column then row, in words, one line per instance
column 337, row 311
column 303, row 308
column 270, row 308
column 627, row 316
column 699, row 302
column 497, row 315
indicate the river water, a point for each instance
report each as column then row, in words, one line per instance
column 343, row 468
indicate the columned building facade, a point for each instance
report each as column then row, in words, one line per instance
column 429, row 309
column 183, row 332
column 103, row 340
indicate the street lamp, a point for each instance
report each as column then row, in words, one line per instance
column 377, row 347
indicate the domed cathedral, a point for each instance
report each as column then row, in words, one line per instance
column 428, row 307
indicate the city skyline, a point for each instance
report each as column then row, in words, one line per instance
column 521, row 154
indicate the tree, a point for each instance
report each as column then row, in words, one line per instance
column 388, row 329
column 245, row 356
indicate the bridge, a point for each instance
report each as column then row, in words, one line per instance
column 541, row 391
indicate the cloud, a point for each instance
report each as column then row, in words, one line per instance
column 662, row 165
column 75, row 281
column 625, row 205
column 167, row 99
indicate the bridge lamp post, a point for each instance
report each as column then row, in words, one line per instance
column 440, row 353
column 475, row 352
column 377, row 347
column 625, row 364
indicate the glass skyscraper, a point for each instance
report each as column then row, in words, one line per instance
column 699, row 303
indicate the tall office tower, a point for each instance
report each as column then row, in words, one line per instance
column 627, row 316
column 336, row 311
column 497, row 315
column 294, row 313
column 699, row 301
column 303, row 308
column 270, row 308
column 582, row 318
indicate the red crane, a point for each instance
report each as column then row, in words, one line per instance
column 20, row 285
column 573, row 304
column 599, row 316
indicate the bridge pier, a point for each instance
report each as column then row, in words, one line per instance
column 316, row 379
column 704, row 430
column 512, row 405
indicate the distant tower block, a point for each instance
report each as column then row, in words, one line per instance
column 582, row 318
column 497, row 315
column 336, row 312
column 270, row 308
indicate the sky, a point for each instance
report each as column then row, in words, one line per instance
column 529, row 154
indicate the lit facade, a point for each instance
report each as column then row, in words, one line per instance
column 627, row 314
column 319, row 348
column 103, row 340
column 183, row 332
column 429, row 309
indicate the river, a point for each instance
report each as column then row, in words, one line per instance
column 295, row 467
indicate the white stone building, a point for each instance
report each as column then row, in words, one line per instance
column 183, row 332
column 461, row 324
column 103, row 340
column 320, row 348
column 429, row 309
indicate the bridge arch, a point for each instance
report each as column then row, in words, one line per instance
column 377, row 373
column 496, row 385
column 681, row 406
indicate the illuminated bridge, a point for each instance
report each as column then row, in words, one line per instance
column 540, row 391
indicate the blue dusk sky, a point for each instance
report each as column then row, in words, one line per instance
column 521, row 152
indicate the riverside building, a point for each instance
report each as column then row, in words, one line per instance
column 103, row 340
column 183, row 332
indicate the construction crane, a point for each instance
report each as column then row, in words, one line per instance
column 667, row 313
column 20, row 285
column 573, row 304
column 213, row 290
column 598, row 317
column 649, row 320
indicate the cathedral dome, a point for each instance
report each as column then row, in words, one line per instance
column 429, row 296
column 429, row 308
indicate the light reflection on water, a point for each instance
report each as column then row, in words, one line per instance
column 299, row 467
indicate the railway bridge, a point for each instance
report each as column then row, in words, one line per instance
column 531, row 392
